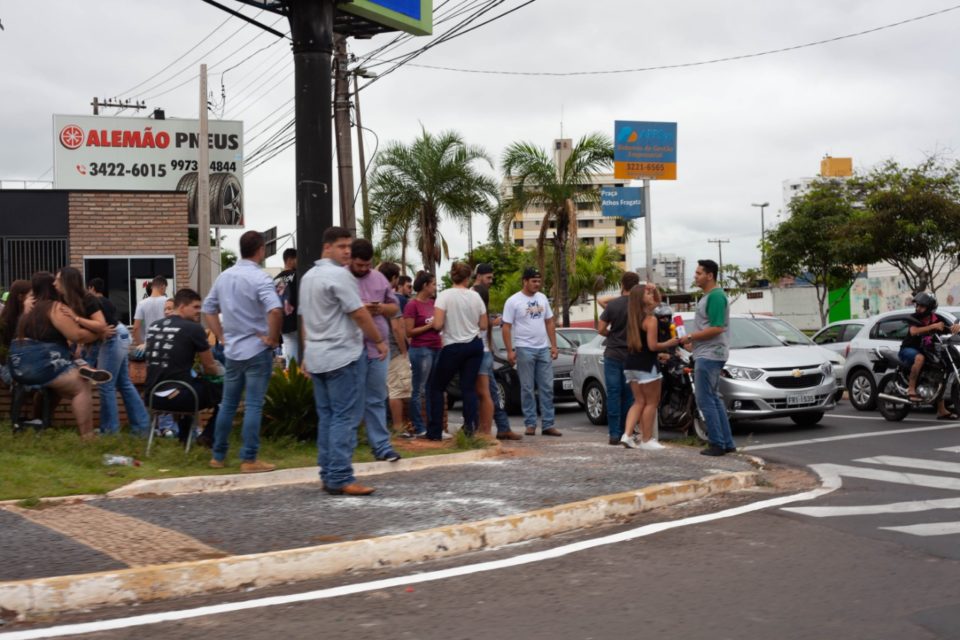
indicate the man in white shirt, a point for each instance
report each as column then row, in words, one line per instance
column 530, row 338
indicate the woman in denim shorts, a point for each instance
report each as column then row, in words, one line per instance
column 39, row 355
column 640, row 368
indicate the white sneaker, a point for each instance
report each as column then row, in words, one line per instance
column 445, row 436
column 628, row 441
column 651, row 445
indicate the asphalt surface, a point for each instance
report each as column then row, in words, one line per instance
column 782, row 571
column 537, row 472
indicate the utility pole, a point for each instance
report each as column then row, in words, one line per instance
column 341, row 121
column 203, row 193
column 720, row 244
column 366, row 223
column 763, row 237
column 311, row 28
column 115, row 104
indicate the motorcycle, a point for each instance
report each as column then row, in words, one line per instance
column 938, row 379
column 678, row 409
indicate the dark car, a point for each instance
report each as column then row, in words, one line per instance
column 508, row 382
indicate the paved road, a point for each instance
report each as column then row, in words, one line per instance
column 877, row 557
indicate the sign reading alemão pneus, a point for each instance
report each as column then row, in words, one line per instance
column 622, row 202
column 644, row 150
column 142, row 154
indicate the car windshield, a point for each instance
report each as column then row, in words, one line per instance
column 748, row 334
column 785, row 331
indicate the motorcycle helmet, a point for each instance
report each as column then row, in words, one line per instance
column 663, row 311
column 925, row 299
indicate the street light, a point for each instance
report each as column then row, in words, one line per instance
column 763, row 234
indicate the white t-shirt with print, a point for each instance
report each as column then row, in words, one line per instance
column 462, row 310
column 526, row 315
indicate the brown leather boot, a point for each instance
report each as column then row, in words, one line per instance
column 352, row 489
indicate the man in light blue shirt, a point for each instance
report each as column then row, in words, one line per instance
column 246, row 298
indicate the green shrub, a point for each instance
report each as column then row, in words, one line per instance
column 288, row 409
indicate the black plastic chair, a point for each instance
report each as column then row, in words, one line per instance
column 155, row 413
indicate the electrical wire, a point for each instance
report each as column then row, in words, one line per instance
column 691, row 64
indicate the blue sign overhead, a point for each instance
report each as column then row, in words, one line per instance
column 645, row 150
column 622, row 202
column 409, row 8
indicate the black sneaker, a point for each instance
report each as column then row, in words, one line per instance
column 96, row 375
column 390, row 456
column 615, row 441
column 730, row 450
column 713, row 451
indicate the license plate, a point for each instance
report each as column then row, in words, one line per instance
column 800, row 399
column 568, row 384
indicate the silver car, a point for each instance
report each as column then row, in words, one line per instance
column 791, row 336
column 882, row 331
column 762, row 379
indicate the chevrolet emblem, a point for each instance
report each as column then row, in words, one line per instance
column 797, row 373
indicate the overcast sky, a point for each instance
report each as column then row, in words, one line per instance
column 743, row 126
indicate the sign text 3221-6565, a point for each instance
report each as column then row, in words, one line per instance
column 146, row 169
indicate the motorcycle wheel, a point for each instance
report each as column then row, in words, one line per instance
column 891, row 411
column 696, row 425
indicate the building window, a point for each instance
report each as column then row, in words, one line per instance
column 620, row 241
column 584, row 206
column 518, row 243
column 518, row 224
column 125, row 277
column 585, row 224
column 22, row 257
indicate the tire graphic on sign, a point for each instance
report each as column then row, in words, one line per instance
column 71, row 136
column 226, row 199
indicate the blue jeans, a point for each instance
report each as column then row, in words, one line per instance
column 338, row 412
column 907, row 356
column 251, row 376
column 706, row 377
column 114, row 358
column 34, row 363
column 463, row 358
column 619, row 397
column 535, row 370
column 423, row 360
column 373, row 395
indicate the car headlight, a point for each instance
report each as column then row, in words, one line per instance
column 826, row 368
column 743, row 373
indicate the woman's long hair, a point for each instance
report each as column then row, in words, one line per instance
column 636, row 314
column 12, row 311
column 38, row 321
column 72, row 292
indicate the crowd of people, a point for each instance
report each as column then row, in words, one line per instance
column 374, row 341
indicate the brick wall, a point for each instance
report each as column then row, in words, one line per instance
column 143, row 223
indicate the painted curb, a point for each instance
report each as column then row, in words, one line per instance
column 241, row 481
column 30, row 598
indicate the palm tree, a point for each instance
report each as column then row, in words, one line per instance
column 598, row 269
column 414, row 186
column 395, row 231
column 537, row 181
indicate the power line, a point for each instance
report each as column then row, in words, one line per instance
column 690, row 64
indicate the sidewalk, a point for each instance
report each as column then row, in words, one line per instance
column 437, row 507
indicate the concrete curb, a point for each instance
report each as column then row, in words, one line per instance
column 30, row 598
column 302, row 475
column 241, row 481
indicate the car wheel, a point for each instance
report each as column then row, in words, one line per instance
column 807, row 419
column 862, row 390
column 511, row 404
column 596, row 400
column 890, row 410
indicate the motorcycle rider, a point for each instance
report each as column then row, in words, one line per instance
column 923, row 324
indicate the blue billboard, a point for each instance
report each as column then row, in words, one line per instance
column 645, row 150
column 622, row 202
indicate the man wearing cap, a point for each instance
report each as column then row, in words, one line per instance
column 530, row 338
column 483, row 279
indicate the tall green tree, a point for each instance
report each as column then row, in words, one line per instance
column 816, row 242
column 598, row 269
column 912, row 219
column 538, row 182
column 435, row 176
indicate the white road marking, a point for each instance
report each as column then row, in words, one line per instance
column 830, row 484
column 845, row 417
column 853, row 436
column 930, row 529
column 950, row 449
column 913, row 463
column 914, row 506
column 835, row 471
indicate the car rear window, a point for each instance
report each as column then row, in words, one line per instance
column 850, row 331
column 890, row 329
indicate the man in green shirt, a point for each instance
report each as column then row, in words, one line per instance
column 710, row 339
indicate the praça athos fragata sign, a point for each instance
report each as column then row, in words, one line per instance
column 142, row 154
